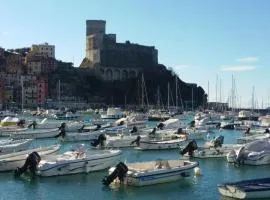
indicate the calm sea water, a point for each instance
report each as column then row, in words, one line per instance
column 89, row 186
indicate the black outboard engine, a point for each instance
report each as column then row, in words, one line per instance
column 192, row 124
column 80, row 130
column 153, row 132
column 21, row 122
column 62, row 131
column 137, row 141
column 98, row 127
column 247, row 131
column 99, row 141
column 190, row 148
column 218, row 141
column 160, row 126
column 120, row 171
column 134, row 130
column 179, row 131
column 33, row 124
column 31, row 163
column 121, row 123
column 266, row 130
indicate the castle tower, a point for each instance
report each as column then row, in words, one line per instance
column 95, row 31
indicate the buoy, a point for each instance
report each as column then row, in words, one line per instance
column 197, row 171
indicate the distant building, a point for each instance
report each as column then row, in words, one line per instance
column 2, row 51
column 14, row 63
column 44, row 49
column 112, row 60
column 42, row 90
column 37, row 64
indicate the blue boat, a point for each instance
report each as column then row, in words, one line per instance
column 246, row 189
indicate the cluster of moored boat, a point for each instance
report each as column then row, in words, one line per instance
column 108, row 137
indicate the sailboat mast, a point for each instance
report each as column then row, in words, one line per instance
column 216, row 89
column 192, row 98
column 208, row 97
column 142, row 91
column 22, row 92
column 59, row 91
column 168, row 97
column 176, row 94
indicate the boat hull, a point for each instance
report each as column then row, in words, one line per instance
column 15, row 146
column 36, row 134
column 12, row 161
column 158, row 145
column 158, row 176
column 248, row 189
column 83, row 165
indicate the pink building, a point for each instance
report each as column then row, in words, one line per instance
column 42, row 89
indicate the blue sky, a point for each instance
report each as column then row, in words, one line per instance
column 199, row 39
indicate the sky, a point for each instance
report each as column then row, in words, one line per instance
column 205, row 41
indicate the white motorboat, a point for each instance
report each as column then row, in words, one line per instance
column 70, row 126
column 78, row 161
column 160, row 144
column 197, row 134
column 83, row 136
column 215, row 152
column 251, row 138
column 113, row 113
column 247, row 189
column 14, row 146
column 35, row 134
column 149, row 172
column 123, row 140
column 13, row 160
column 212, row 149
column 254, row 153
column 9, row 121
column 131, row 121
column 6, row 131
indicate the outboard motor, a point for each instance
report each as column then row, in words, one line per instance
column 120, row 171
column 160, row 126
column 134, row 130
column 137, row 141
column 99, row 141
column 153, row 132
column 21, row 122
column 31, row 163
column 121, row 123
column 240, row 156
column 190, row 148
column 62, row 131
column 180, row 131
column 192, row 124
column 218, row 141
column 248, row 130
column 266, row 130
column 33, row 124
column 218, row 125
column 80, row 130
column 97, row 128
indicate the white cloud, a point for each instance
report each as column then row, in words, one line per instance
column 238, row 68
column 248, row 59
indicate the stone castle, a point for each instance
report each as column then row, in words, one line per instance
column 111, row 60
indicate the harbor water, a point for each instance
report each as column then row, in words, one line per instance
column 89, row 186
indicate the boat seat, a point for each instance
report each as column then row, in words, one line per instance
column 162, row 164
